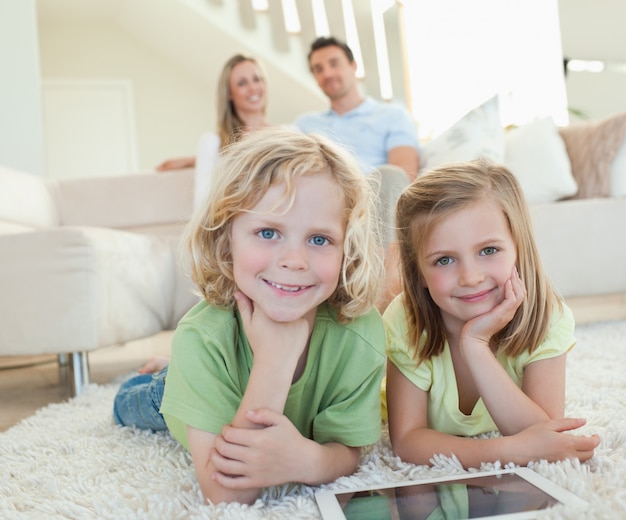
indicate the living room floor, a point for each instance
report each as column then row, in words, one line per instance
column 28, row 383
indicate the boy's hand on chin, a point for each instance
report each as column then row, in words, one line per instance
column 279, row 340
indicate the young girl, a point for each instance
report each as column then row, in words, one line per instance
column 275, row 376
column 477, row 341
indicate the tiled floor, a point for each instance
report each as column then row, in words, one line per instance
column 28, row 383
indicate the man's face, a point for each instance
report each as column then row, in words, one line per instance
column 332, row 70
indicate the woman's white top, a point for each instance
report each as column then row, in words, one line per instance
column 207, row 153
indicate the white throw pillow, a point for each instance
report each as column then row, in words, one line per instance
column 478, row 133
column 537, row 156
column 618, row 172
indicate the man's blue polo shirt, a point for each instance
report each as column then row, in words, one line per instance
column 369, row 131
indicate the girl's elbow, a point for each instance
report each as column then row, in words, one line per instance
column 409, row 451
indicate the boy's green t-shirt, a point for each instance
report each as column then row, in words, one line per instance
column 336, row 399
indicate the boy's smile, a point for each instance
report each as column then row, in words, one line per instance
column 288, row 261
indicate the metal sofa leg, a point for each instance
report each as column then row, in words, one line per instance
column 78, row 372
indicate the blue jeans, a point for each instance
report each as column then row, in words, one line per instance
column 138, row 401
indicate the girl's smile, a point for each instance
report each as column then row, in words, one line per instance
column 476, row 297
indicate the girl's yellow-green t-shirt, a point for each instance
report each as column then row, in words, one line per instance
column 436, row 375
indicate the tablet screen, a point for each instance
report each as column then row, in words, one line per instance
column 474, row 497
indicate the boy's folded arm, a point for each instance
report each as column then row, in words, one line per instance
column 200, row 445
column 327, row 462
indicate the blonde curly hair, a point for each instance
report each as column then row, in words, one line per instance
column 246, row 170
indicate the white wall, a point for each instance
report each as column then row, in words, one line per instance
column 479, row 49
column 172, row 107
column 596, row 95
column 174, row 99
column 594, row 30
column 21, row 129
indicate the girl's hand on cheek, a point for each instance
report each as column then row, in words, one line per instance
column 266, row 336
column 483, row 327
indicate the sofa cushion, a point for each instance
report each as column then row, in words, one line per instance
column 478, row 133
column 536, row 155
column 26, row 200
column 126, row 202
column 592, row 146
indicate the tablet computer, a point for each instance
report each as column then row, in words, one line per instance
column 517, row 493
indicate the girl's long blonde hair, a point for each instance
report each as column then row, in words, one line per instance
column 229, row 125
column 439, row 193
column 244, row 173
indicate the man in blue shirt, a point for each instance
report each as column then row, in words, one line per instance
column 376, row 133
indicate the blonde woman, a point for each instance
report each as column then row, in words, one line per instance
column 275, row 375
column 241, row 106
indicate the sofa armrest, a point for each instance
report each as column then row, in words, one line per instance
column 77, row 289
column 25, row 201
column 126, row 201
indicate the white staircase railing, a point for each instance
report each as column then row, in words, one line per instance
column 372, row 28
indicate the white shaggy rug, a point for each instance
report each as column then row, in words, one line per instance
column 70, row 461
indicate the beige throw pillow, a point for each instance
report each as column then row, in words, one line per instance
column 592, row 147
column 536, row 155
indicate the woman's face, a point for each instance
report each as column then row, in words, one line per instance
column 247, row 88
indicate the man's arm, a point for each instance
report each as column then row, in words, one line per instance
column 407, row 158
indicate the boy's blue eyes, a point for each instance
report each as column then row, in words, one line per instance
column 269, row 234
column 319, row 240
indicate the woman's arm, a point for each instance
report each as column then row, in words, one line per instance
column 177, row 163
column 414, row 442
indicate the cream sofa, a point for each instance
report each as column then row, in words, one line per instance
column 91, row 262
